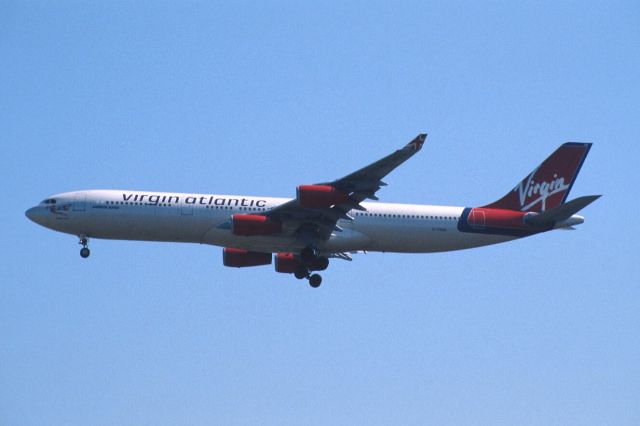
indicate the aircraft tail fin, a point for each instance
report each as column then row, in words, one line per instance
column 548, row 185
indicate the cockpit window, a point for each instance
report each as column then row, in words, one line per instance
column 49, row 201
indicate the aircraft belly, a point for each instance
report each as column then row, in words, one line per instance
column 260, row 243
column 135, row 225
column 347, row 240
column 418, row 238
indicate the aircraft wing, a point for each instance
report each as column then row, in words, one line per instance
column 359, row 185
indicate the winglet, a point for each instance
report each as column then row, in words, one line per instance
column 416, row 144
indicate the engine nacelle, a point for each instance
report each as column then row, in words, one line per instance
column 239, row 258
column 286, row 263
column 497, row 218
column 253, row 224
column 320, row 196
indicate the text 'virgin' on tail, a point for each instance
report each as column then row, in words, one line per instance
column 548, row 185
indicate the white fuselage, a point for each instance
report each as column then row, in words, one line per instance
column 205, row 219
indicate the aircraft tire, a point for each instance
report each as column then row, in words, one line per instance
column 315, row 280
column 84, row 252
column 320, row 264
column 301, row 273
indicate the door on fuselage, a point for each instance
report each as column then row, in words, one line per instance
column 80, row 202
column 186, row 209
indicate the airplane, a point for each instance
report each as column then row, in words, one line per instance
column 327, row 220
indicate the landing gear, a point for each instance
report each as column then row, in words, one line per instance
column 320, row 264
column 311, row 261
column 84, row 251
column 315, row 280
column 301, row 272
column 308, row 254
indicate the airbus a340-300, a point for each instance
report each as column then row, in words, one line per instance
column 327, row 220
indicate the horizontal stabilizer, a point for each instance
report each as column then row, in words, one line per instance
column 560, row 213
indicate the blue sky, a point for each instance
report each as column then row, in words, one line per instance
column 246, row 98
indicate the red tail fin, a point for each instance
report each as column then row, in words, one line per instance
column 549, row 184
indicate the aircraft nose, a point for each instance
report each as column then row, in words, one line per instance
column 35, row 214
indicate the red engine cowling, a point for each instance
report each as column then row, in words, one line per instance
column 286, row 263
column 239, row 258
column 320, row 196
column 253, row 224
column 497, row 218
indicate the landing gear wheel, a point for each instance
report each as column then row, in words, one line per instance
column 301, row 272
column 315, row 280
column 84, row 252
column 320, row 264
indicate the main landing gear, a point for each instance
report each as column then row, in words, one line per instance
column 315, row 280
column 303, row 272
column 311, row 261
column 84, row 251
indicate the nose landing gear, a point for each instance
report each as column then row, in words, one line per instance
column 84, row 251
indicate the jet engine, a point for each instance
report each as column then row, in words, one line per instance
column 286, row 263
column 253, row 224
column 239, row 258
column 320, row 196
